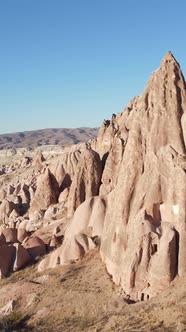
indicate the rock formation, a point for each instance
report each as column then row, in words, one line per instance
column 89, row 215
column 35, row 247
column 47, row 192
column 64, row 167
column 125, row 191
column 150, row 175
column 86, row 181
column 143, row 236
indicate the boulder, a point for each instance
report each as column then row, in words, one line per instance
column 10, row 235
column 22, row 234
column 22, row 257
column 6, row 209
column 7, row 256
column 35, row 247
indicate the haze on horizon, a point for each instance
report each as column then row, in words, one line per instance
column 72, row 64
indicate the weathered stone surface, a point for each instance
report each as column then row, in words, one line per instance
column 150, row 174
column 22, row 257
column 137, row 166
column 22, row 234
column 64, row 167
column 50, row 212
column 112, row 166
column 142, row 225
column 54, row 242
column 86, row 180
column 6, row 209
column 10, row 235
column 89, row 214
column 182, row 250
column 63, row 197
column 47, row 192
column 2, row 239
column 35, row 247
column 2, row 194
column 38, row 159
column 7, row 255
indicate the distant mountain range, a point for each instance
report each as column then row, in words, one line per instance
column 53, row 136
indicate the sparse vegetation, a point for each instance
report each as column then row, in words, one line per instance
column 82, row 297
column 15, row 321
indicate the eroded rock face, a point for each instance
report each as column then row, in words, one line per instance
column 7, row 254
column 6, row 208
column 87, row 222
column 35, row 247
column 112, row 162
column 127, row 188
column 150, row 174
column 38, row 159
column 86, row 180
column 65, row 167
column 142, row 225
column 22, row 257
column 47, row 192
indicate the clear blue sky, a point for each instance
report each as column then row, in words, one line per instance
column 72, row 63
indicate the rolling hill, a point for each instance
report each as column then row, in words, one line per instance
column 53, row 136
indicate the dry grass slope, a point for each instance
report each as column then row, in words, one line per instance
column 82, row 297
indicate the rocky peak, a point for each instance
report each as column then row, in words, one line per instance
column 168, row 57
column 161, row 106
column 166, row 89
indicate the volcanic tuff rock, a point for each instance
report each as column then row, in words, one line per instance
column 47, row 192
column 143, row 232
column 125, row 190
column 86, row 181
column 64, row 167
column 89, row 215
column 137, row 238
column 34, row 195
